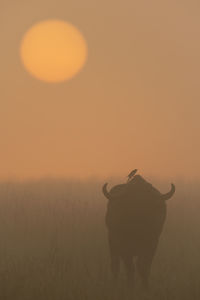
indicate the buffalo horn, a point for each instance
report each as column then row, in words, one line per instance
column 169, row 194
column 105, row 192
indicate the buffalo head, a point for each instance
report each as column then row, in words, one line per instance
column 138, row 183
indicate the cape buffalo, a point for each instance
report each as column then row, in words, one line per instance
column 135, row 216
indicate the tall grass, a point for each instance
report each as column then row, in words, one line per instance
column 54, row 244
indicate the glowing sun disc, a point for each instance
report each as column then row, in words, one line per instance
column 53, row 50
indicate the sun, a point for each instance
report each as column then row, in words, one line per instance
column 53, row 51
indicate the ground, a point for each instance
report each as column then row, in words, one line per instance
column 54, row 244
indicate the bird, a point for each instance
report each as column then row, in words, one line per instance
column 130, row 176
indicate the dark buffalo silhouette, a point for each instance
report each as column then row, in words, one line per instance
column 135, row 216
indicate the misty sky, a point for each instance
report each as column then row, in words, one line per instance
column 136, row 104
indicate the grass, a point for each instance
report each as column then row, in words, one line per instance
column 54, row 244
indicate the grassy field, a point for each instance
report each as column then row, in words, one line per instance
column 54, row 244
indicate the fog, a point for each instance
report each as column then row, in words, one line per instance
column 134, row 105
column 54, row 243
column 136, row 102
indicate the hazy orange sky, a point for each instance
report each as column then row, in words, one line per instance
column 136, row 104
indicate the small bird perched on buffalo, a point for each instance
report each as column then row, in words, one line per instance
column 131, row 175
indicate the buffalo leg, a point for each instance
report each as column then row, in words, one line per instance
column 114, row 255
column 115, row 264
column 144, row 263
column 130, row 269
